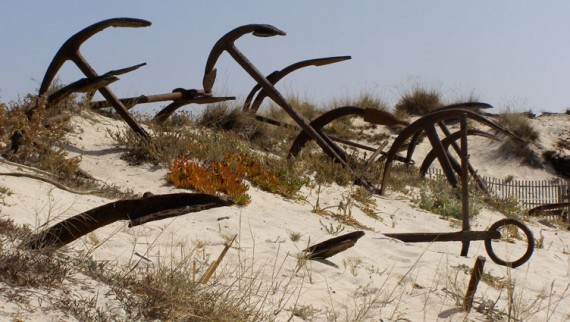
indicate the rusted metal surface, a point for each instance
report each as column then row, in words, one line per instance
column 333, row 246
column 277, row 75
column 427, row 124
column 137, row 211
column 493, row 233
column 529, row 239
column 312, row 131
column 464, row 183
column 416, row 137
column 431, row 156
column 373, row 116
column 183, row 95
column 166, row 112
column 466, row 235
column 82, row 85
column 226, row 43
column 559, row 209
column 445, row 236
column 180, row 97
column 69, row 51
column 449, row 140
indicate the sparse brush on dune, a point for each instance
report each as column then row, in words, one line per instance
column 418, row 101
column 265, row 276
column 519, row 124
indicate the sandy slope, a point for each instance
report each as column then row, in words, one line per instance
column 405, row 282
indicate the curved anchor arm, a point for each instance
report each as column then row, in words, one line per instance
column 463, row 106
column 70, row 49
column 278, row 75
column 227, row 41
column 427, row 123
column 137, row 211
column 82, row 85
column 432, row 155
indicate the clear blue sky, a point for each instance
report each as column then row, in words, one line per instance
column 508, row 53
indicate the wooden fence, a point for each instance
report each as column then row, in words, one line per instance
column 529, row 193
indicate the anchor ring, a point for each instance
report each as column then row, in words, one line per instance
column 529, row 249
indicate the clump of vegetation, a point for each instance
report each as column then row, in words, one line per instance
column 439, row 197
column 228, row 176
column 20, row 267
column 170, row 294
column 308, row 110
column 271, row 178
column 223, row 117
column 510, row 207
column 342, row 214
column 419, row 101
column 519, row 125
column 403, row 176
column 209, row 178
column 38, row 139
column 364, row 100
column 163, row 147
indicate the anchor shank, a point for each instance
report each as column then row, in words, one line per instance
column 445, row 237
column 280, row 100
column 117, row 105
column 464, row 182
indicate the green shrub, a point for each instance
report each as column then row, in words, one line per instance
column 439, row 197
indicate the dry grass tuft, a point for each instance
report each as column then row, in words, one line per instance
column 519, row 125
column 223, row 117
column 364, row 100
column 36, row 141
column 170, row 294
column 418, row 101
column 20, row 267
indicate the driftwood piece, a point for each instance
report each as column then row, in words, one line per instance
column 212, row 268
column 138, row 211
column 476, row 275
column 333, row 246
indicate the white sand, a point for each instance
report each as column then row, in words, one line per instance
column 401, row 281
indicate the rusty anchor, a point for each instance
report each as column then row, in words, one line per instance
column 70, row 51
column 226, row 43
column 426, row 124
column 466, row 235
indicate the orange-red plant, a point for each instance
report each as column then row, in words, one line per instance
column 211, row 178
column 255, row 172
column 227, row 176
